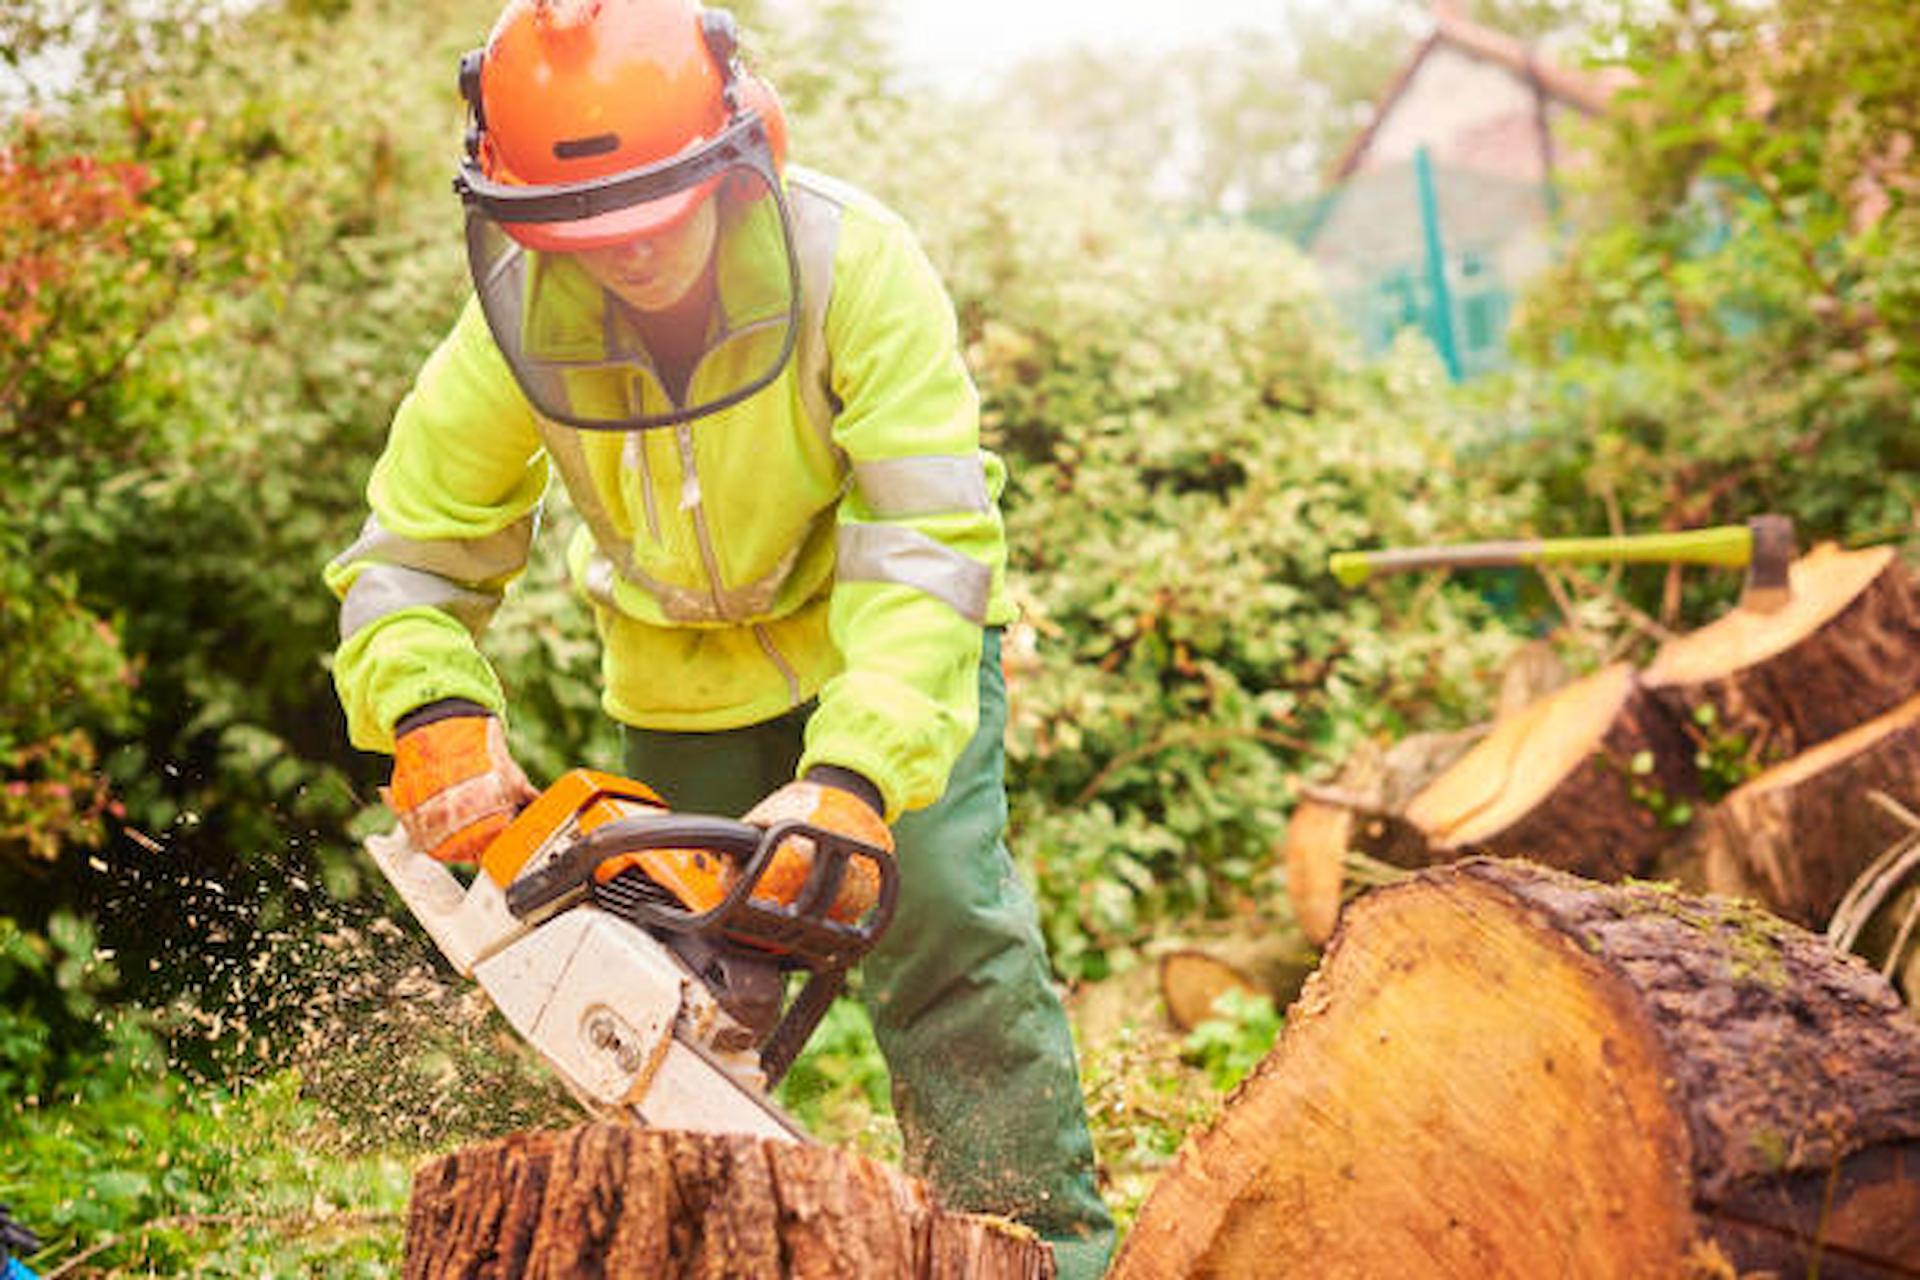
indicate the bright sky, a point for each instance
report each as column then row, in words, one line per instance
column 962, row 44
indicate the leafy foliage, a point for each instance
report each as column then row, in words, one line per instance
column 1736, row 331
column 1232, row 1042
column 157, row 1179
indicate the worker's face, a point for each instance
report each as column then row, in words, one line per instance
column 652, row 273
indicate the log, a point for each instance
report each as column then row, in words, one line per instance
column 611, row 1200
column 1190, row 981
column 1265, row 958
column 1843, row 651
column 1795, row 837
column 1314, row 851
column 1593, row 779
column 1361, row 812
column 1505, row 1071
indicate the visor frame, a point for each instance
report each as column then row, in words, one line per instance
column 743, row 143
column 746, row 147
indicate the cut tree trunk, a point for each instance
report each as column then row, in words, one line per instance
column 1593, row 779
column 1844, row 650
column 1505, row 1071
column 609, row 1200
column 1796, row 837
column 1314, row 849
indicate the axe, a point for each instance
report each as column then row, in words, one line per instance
column 1764, row 546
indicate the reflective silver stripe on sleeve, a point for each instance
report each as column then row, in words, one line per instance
column 464, row 560
column 896, row 488
column 383, row 589
column 890, row 553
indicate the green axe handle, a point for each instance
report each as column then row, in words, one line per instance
column 1730, row 545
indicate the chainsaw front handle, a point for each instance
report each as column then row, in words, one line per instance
column 801, row 928
column 567, row 878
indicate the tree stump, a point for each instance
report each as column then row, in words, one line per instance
column 610, row 1200
column 1798, row 835
column 1592, row 779
column 1505, row 1071
column 1844, row 650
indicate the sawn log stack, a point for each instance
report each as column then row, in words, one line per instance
column 1617, row 774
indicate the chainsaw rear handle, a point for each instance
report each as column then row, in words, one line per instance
column 801, row 927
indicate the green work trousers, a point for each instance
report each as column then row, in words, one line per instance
column 985, row 1087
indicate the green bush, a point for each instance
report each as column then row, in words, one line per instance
column 1735, row 330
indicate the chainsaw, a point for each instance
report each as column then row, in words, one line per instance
column 646, row 955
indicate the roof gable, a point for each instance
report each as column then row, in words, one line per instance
column 1452, row 29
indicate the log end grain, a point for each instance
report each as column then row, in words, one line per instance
column 1594, row 779
column 1315, row 853
column 1797, row 836
column 1842, row 652
column 1190, row 982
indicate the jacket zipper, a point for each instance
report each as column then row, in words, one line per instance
column 691, row 499
column 690, row 502
column 637, row 457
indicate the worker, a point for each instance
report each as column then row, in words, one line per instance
column 747, row 377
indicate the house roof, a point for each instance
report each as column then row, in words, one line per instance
column 1580, row 90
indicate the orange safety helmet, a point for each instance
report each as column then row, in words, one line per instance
column 575, row 96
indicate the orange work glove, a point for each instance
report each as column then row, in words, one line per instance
column 832, row 808
column 455, row 786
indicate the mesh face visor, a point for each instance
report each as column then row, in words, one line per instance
column 576, row 346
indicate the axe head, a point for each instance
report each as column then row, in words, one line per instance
column 1768, row 588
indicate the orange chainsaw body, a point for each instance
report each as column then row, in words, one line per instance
column 581, row 802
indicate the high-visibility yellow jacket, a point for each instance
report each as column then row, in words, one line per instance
column 836, row 535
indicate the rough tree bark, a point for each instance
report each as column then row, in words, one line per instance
column 1505, row 1071
column 1795, row 837
column 609, row 1200
column 1843, row 651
